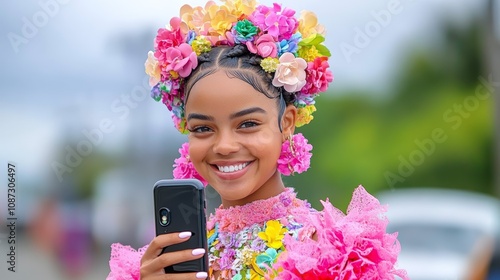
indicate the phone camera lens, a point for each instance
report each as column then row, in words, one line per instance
column 164, row 216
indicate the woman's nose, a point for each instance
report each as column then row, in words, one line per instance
column 225, row 144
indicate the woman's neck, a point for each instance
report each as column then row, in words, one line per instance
column 272, row 187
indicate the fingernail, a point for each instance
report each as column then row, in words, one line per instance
column 201, row 275
column 184, row 234
column 197, row 252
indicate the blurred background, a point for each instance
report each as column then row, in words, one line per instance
column 413, row 115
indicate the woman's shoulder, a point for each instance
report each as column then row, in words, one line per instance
column 125, row 262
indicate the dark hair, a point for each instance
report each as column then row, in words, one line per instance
column 240, row 63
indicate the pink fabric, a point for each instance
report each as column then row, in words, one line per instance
column 351, row 246
column 125, row 262
column 236, row 218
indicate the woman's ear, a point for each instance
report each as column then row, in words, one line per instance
column 288, row 120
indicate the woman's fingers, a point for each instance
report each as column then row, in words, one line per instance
column 172, row 258
column 152, row 263
column 161, row 241
column 182, row 276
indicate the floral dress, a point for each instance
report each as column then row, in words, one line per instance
column 282, row 237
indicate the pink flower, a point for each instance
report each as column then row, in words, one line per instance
column 296, row 158
column 279, row 24
column 184, row 168
column 318, row 76
column 172, row 95
column 352, row 246
column 166, row 39
column 181, row 59
column 264, row 46
column 290, row 73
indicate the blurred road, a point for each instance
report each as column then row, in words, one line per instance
column 34, row 264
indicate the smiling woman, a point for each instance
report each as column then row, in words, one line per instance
column 239, row 78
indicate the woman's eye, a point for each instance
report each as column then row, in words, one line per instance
column 248, row 124
column 200, row 129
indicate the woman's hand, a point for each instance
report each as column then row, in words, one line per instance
column 152, row 263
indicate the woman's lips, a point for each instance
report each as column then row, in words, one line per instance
column 231, row 171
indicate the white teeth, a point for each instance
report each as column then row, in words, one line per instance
column 232, row 168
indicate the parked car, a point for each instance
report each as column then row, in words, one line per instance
column 445, row 234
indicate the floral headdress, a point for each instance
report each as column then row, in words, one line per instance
column 292, row 48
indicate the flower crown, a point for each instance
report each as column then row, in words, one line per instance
column 290, row 48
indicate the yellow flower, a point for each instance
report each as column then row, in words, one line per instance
column 221, row 19
column 173, row 74
column 239, row 8
column 210, row 233
column 256, row 271
column 309, row 53
column 308, row 24
column 273, row 235
column 255, row 276
column 201, row 45
column 269, row 64
column 304, row 115
column 312, row 47
column 247, row 256
column 152, row 69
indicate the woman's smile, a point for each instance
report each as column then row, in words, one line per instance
column 231, row 171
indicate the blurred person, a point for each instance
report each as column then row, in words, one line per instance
column 60, row 228
column 239, row 85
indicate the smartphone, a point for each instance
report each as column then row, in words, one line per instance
column 179, row 206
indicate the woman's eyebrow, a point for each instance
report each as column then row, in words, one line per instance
column 199, row 117
column 248, row 111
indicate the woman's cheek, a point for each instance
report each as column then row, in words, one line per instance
column 268, row 142
column 196, row 152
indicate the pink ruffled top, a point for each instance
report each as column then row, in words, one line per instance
column 282, row 237
column 236, row 218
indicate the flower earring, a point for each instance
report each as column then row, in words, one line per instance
column 295, row 155
column 184, row 168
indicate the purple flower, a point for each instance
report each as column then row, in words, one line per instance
column 156, row 92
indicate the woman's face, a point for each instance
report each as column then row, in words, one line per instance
column 234, row 139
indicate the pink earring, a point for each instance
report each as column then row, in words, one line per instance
column 295, row 155
column 184, row 168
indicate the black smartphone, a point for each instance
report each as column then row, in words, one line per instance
column 180, row 206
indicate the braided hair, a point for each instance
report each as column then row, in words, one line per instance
column 238, row 62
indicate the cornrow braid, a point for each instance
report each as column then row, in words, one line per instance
column 239, row 62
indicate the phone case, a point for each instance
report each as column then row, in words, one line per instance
column 183, row 202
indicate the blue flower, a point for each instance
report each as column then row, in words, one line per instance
column 303, row 100
column 191, row 35
column 212, row 238
column 291, row 45
column 266, row 259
